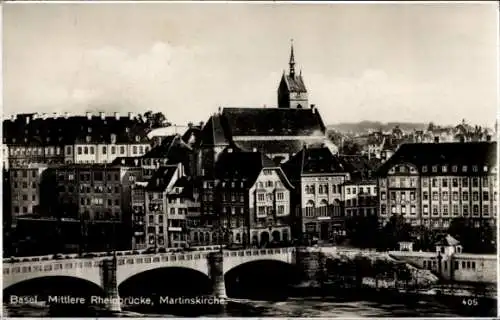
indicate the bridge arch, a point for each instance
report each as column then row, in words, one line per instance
column 125, row 272
column 166, row 281
column 269, row 278
column 92, row 276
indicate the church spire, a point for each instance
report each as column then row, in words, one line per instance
column 292, row 60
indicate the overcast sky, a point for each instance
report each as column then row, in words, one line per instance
column 385, row 62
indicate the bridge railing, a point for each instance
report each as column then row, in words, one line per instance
column 49, row 266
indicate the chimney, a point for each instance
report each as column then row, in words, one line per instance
column 436, row 139
column 27, row 120
column 130, row 116
column 202, row 123
column 66, row 115
column 35, row 116
column 55, row 115
column 13, row 118
column 89, row 115
column 113, row 138
column 117, row 116
column 102, row 115
column 44, row 116
column 220, row 110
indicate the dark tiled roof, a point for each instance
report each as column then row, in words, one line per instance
column 272, row 146
column 430, row 154
column 361, row 167
column 314, row 161
column 127, row 161
column 61, row 130
column 271, row 122
column 241, row 165
column 161, row 178
column 162, row 150
column 295, row 83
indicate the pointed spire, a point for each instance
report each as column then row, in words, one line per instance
column 292, row 60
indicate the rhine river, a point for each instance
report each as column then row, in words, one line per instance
column 290, row 307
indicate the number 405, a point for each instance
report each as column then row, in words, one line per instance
column 470, row 302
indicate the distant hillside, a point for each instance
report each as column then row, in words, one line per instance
column 365, row 126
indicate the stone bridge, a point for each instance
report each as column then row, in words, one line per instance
column 110, row 272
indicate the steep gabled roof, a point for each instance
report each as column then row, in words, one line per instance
column 450, row 154
column 295, row 83
column 161, row 178
column 272, row 122
column 318, row 160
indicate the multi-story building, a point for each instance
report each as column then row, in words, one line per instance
column 360, row 198
column 431, row 184
column 26, row 190
column 252, row 195
column 317, row 176
column 138, row 206
column 158, row 192
column 34, row 138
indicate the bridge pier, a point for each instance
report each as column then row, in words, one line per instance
column 110, row 286
column 216, row 271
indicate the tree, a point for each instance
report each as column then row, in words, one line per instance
column 394, row 231
column 155, row 120
column 350, row 148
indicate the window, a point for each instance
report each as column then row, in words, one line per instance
column 122, row 150
column 474, row 168
column 486, row 210
column 310, row 208
column 403, row 210
column 465, row 209
column 403, row 196
column 113, row 150
column 435, row 211
column 279, row 196
column 475, row 196
column 383, row 195
column 465, row 196
column 425, row 195
column 281, row 209
column 425, row 183
column 475, row 182
column 485, row 182
column 424, row 168
column 475, row 210
column 445, row 210
column 134, row 149
column 435, row 196
column 260, row 197
column 86, row 150
column 383, row 210
column 434, row 183
column 413, row 209
column 464, row 168
column 434, row 169
column 455, row 209
column 91, row 150
column 444, row 168
column 465, row 182
column 454, row 182
column 412, row 195
column 393, row 209
column 445, row 183
column 486, row 196
column 79, row 150
column 454, row 168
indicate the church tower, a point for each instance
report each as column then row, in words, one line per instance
column 292, row 92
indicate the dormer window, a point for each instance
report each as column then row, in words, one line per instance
column 474, row 168
column 464, row 168
column 444, row 168
column 454, row 168
column 137, row 138
column 89, row 129
column 424, row 168
column 87, row 138
column 434, row 168
column 485, row 168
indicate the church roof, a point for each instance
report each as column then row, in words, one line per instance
column 272, row 121
column 294, row 83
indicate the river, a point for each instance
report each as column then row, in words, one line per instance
column 289, row 307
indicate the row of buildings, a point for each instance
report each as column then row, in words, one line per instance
column 252, row 176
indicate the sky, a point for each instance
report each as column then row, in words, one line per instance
column 379, row 62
